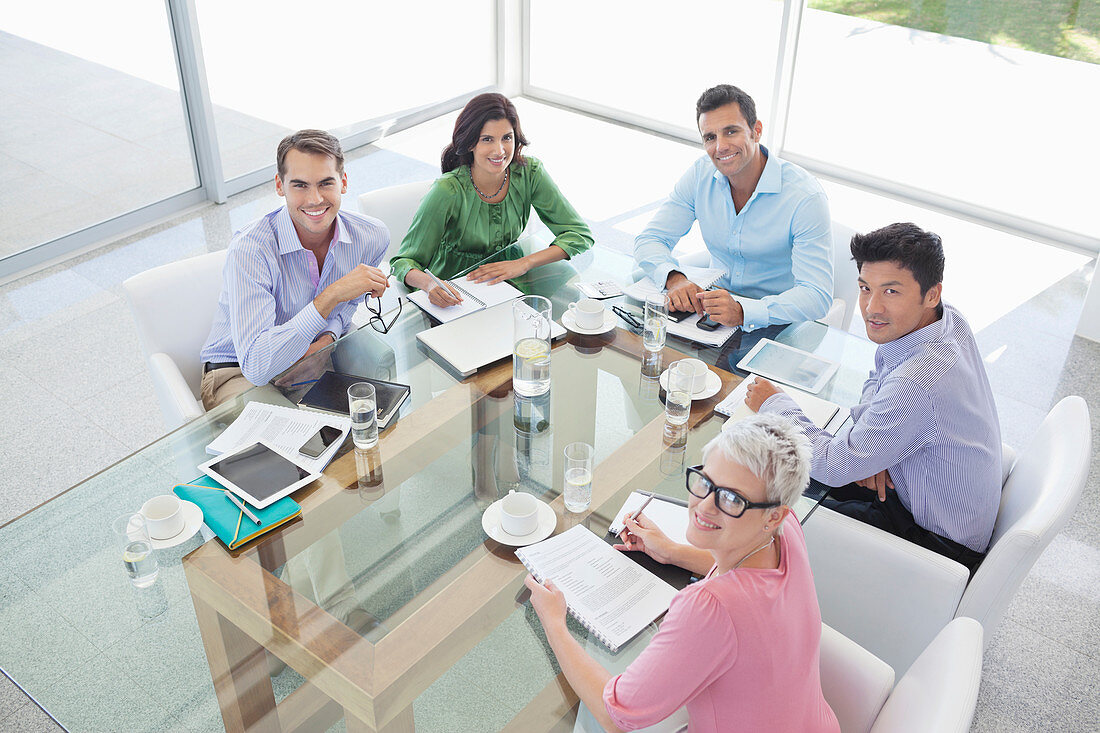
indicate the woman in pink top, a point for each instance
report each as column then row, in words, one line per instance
column 739, row 648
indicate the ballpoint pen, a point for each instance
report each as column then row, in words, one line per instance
column 242, row 507
column 641, row 509
column 439, row 282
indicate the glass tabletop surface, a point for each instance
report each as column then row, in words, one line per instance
column 397, row 588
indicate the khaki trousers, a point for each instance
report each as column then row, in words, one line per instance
column 222, row 385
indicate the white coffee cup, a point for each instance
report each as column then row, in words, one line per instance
column 698, row 371
column 163, row 516
column 588, row 313
column 519, row 513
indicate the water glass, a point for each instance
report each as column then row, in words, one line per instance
column 681, row 376
column 578, row 476
column 531, row 345
column 362, row 406
column 138, row 557
column 655, row 323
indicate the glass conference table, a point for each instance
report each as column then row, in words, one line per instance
column 435, row 638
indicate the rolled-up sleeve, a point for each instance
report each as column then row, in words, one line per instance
column 653, row 247
column 264, row 349
column 811, row 266
column 697, row 643
column 559, row 216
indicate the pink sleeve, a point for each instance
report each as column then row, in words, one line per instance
column 696, row 644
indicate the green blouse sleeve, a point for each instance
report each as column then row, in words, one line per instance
column 570, row 231
column 422, row 241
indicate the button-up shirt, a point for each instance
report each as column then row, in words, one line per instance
column 927, row 414
column 776, row 252
column 266, row 319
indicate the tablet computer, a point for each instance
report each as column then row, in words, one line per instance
column 788, row 365
column 258, row 474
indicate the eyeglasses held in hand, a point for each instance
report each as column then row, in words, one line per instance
column 728, row 501
column 376, row 321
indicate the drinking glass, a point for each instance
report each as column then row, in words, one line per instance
column 655, row 324
column 578, row 476
column 678, row 393
column 362, row 406
column 531, row 345
column 138, row 557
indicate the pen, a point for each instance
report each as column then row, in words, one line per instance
column 439, row 282
column 243, row 508
column 308, row 381
column 641, row 509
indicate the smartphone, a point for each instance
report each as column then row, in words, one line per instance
column 677, row 316
column 320, row 440
column 707, row 324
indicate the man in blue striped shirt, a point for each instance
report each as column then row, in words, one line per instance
column 765, row 222
column 294, row 277
column 922, row 459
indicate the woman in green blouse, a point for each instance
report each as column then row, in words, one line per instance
column 482, row 203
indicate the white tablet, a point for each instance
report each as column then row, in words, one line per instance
column 258, row 473
column 788, row 365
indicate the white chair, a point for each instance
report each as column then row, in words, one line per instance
column 892, row 596
column 939, row 692
column 173, row 306
column 395, row 206
column 845, row 276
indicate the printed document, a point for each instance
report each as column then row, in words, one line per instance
column 283, row 428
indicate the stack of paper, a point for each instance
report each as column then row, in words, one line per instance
column 826, row 415
column 285, row 429
column 704, row 277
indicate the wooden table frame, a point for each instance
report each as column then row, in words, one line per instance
column 244, row 610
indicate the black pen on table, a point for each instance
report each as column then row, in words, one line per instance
column 242, row 507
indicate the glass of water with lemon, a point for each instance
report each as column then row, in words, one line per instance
column 531, row 345
column 578, row 476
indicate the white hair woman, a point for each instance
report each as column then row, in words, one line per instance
column 739, row 648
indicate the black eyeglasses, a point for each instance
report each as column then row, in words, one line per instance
column 728, row 501
column 630, row 318
column 376, row 321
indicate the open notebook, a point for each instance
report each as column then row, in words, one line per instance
column 827, row 415
column 610, row 594
column 475, row 297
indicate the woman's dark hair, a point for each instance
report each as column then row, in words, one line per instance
column 479, row 110
column 906, row 244
column 722, row 95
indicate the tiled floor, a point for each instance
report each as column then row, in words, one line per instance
column 75, row 379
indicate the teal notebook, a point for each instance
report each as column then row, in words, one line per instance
column 226, row 519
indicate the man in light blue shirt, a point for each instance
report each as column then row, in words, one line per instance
column 922, row 457
column 294, row 277
column 765, row 221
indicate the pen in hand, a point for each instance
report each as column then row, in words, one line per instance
column 440, row 283
column 242, row 507
column 641, row 509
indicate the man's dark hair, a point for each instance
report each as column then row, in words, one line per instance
column 722, row 95
column 315, row 142
column 909, row 246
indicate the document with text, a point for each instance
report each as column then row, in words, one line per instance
column 611, row 595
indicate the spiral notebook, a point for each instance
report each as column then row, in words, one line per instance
column 611, row 595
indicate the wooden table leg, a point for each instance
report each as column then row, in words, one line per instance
column 238, row 666
column 403, row 723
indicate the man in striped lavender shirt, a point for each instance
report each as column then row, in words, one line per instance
column 922, row 459
column 294, row 277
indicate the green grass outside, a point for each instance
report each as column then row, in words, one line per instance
column 1066, row 28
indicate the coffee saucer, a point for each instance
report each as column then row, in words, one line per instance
column 490, row 522
column 711, row 386
column 192, row 520
column 570, row 322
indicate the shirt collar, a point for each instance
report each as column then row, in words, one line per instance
column 288, row 235
column 894, row 352
column 771, row 178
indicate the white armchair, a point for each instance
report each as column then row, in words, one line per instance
column 173, row 306
column 845, row 275
column 938, row 693
column 893, row 597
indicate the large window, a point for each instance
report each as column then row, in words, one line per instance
column 650, row 58
column 274, row 66
column 92, row 124
column 986, row 103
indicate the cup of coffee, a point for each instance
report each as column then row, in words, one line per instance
column 588, row 313
column 163, row 516
column 519, row 513
column 698, row 370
